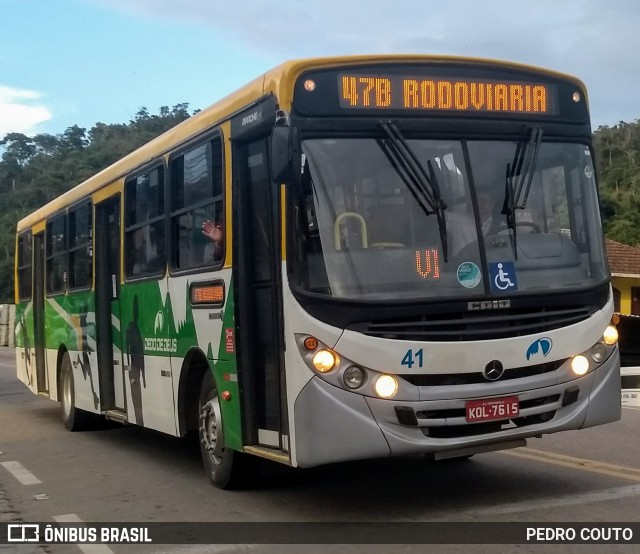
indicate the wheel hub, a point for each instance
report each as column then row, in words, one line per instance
column 211, row 430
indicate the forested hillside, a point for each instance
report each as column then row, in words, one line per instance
column 618, row 164
column 34, row 170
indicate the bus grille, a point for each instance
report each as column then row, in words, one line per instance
column 471, row 326
column 476, row 429
column 461, row 431
column 448, row 379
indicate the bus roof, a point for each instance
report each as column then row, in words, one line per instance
column 278, row 81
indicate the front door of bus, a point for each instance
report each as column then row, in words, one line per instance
column 256, row 257
column 107, row 264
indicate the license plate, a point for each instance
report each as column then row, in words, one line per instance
column 492, row 408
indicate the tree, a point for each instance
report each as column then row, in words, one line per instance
column 35, row 170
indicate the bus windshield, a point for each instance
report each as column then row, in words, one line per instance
column 393, row 218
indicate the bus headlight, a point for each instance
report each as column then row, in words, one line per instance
column 598, row 352
column 325, row 360
column 610, row 336
column 580, row 365
column 386, row 386
column 353, row 377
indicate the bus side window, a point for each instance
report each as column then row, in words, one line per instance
column 80, row 253
column 25, row 279
column 56, row 253
column 144, row 224
column 196, row 197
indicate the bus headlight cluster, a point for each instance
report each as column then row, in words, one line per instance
column 597, row 354
column 335, row 369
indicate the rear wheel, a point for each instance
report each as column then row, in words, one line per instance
column 73, row 418
column 226, row 468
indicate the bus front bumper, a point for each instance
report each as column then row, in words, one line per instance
column 334, row 425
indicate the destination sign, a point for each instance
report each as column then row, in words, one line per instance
column 436, row 94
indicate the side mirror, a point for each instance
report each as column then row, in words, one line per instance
column 286, row 156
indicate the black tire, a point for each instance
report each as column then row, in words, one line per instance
column 73, row 418
column 226, row 468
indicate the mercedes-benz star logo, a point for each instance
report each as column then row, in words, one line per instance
column 493, row 370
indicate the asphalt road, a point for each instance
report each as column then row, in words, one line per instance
column 129, row 474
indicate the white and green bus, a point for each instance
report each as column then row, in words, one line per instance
column 412, row 263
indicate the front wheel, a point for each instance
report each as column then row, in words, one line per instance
column 73, row 418
column 226, row 468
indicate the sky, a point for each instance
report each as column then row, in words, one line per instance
column 79, row 62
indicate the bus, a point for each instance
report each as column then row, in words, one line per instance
column 411, row 263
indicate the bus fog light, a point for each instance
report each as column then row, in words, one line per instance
column 580, row 365
column 386, row 386
column 598, row 352
column 325, row 360
column 353, row 377
column 610, row 335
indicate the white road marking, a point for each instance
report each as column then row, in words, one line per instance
column 86, row 548
column 21, row 473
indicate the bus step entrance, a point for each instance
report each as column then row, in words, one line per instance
column 272, row 454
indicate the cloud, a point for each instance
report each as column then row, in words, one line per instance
column 312, row 27
column 581, row 37
column 19, row 112
column 571, row 36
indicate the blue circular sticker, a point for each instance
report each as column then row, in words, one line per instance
column 469, row 275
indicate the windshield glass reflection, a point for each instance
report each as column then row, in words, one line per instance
column 374, row 224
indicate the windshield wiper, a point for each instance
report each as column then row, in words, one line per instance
column 422, row 184
column 518, row 179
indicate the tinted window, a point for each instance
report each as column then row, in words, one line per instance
column 144, row 224
column 197, row 196
column 57, row 254
column 80, row 247
column 24, row 265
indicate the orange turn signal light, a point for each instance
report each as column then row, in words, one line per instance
column 310, row 343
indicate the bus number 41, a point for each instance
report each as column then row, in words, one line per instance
column 412, row 357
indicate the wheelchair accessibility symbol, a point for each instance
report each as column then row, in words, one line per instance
column 503, row 277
